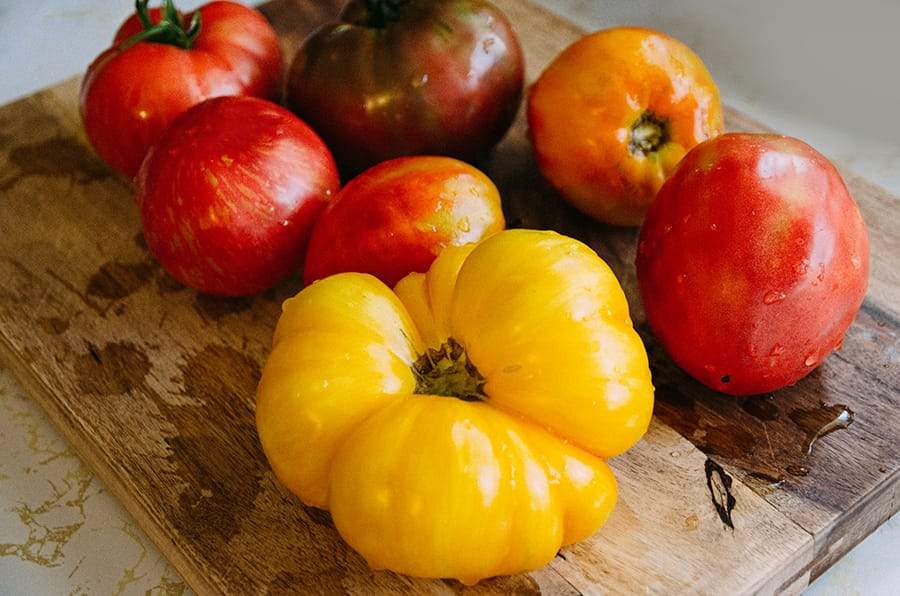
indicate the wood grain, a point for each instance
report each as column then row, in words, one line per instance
column 153, row 384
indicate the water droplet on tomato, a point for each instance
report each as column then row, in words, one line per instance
column 667, row 228
column 285, row 223
column 821, row 275
column 810, row 360
column 680, row 278
column 463, row 225
column 713, row 227
column 773, row 296
column 777, row 350
column 801, row 267
column 856, row 261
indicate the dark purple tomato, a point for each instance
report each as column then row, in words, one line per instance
column 408, row 77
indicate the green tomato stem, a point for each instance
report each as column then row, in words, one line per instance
column 170, row 29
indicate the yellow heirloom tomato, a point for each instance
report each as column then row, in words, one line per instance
column 456, row 427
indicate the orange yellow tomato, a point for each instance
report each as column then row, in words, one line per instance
column 612, row 116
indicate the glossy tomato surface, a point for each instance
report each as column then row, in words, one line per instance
column 436, row 77
column 614, row 113
column 752, row 262
column 230, row 192
column 132, row 92
column 395, row 218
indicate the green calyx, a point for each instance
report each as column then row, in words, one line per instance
column 383, row 12
column 169, row 30
column 448, row 371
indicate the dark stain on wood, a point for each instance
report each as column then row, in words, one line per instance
column 215, row 308
column 166, row 284
column 117, row 280
column 220, row 370
column 56, row 157
column 227, row 484
column 53, row 325
column 759, row 436
column 762, row 407
column 75, row 291
column 728, row 440
column 114, row 369
column 719, row 483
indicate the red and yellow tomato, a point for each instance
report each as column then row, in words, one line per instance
column 229, row 194
column 395, row 218
column 752, row 262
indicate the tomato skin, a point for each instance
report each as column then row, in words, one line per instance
column 584, row 109
column 752, row 262
column 396, row 217
column 229, row 194
column 129, row 95
column 445, row 78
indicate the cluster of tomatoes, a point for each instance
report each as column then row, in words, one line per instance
column 753, row 257
column 752, row 260
column 230, row 184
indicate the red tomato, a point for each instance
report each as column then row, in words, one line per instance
column 133, row 90
column 752, row 262
column 229, row 194
column 395, row 218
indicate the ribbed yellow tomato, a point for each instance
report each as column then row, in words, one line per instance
column 456, row 427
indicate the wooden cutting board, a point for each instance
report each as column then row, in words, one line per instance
column 154, row 386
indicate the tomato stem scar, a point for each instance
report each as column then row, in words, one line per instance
column 447, row 371
column 648, row 134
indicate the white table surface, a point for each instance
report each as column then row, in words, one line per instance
column 821, row 71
